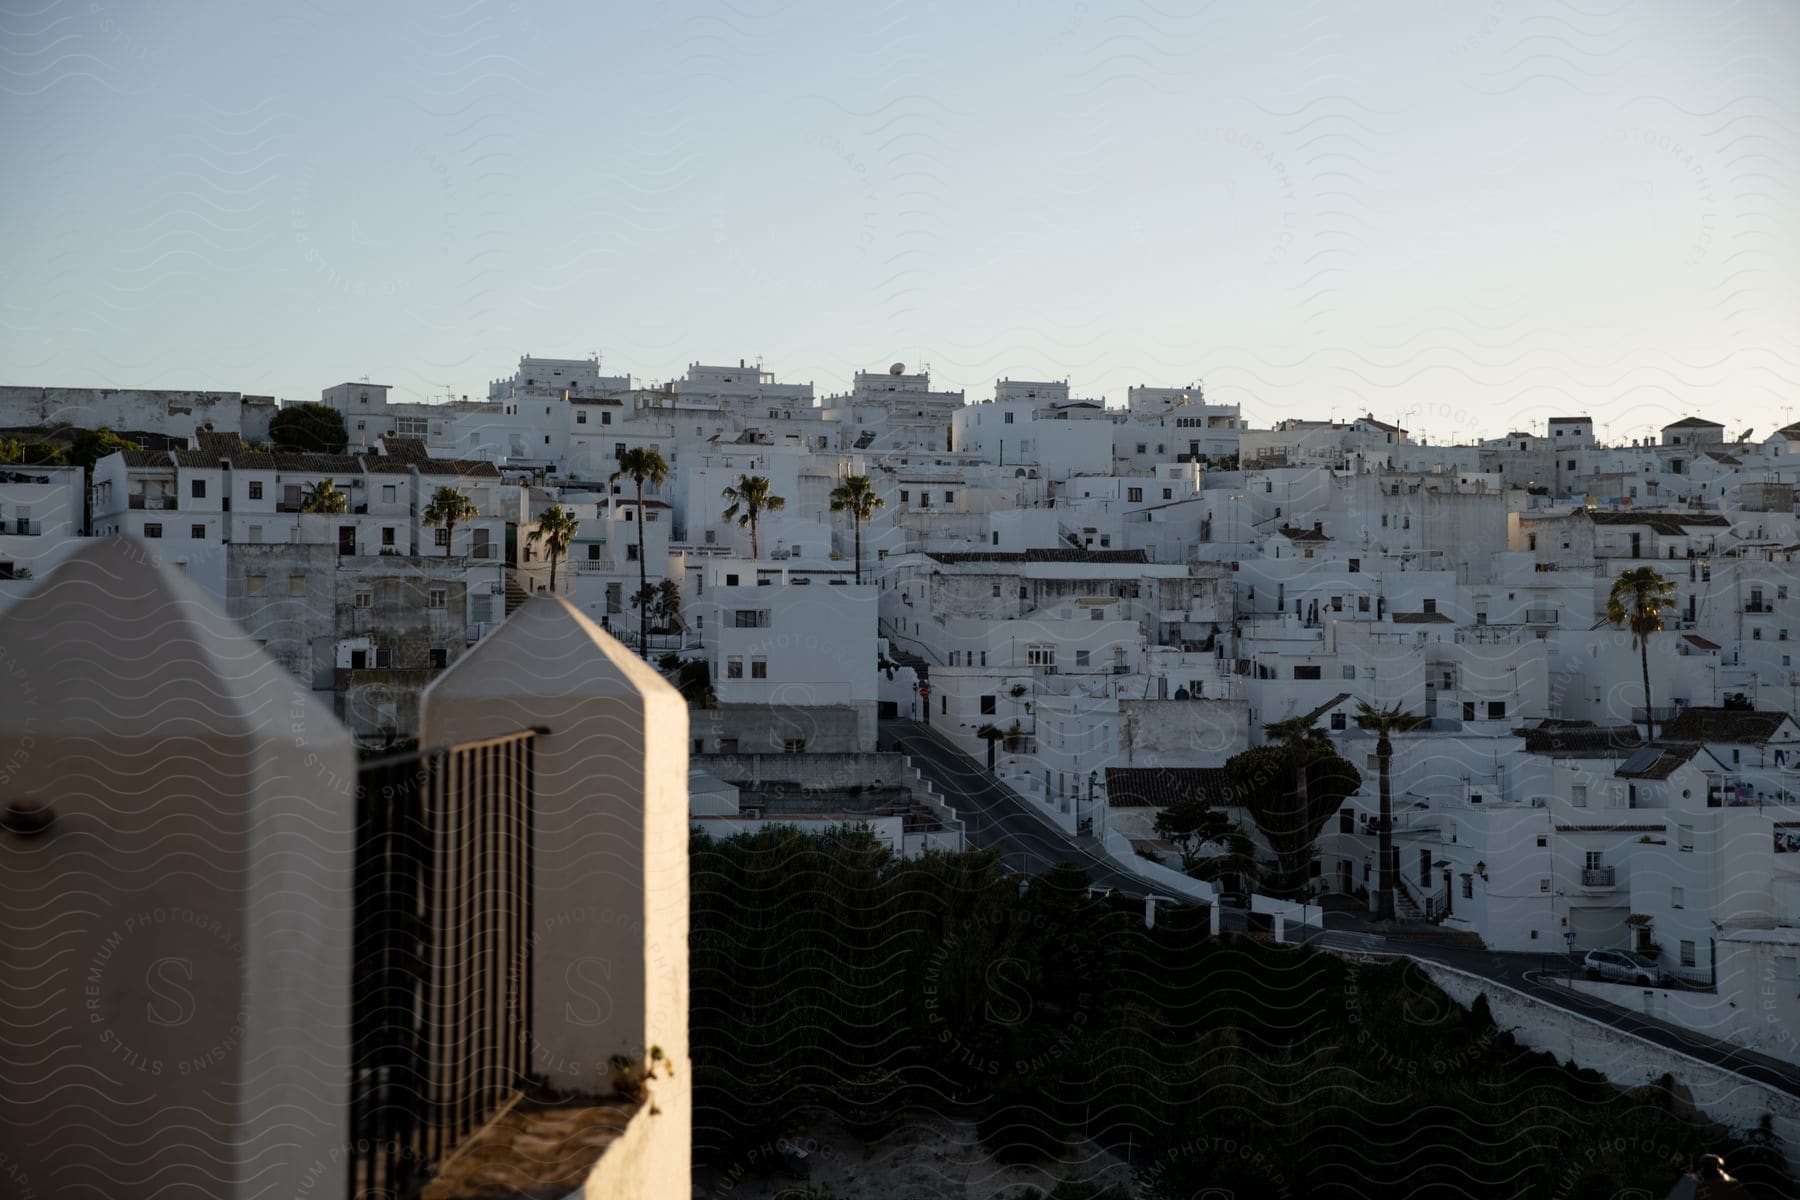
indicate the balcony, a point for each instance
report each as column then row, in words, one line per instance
column 1541, row 616
column 1599, row 879
column 1756, row 608
column 153, row 503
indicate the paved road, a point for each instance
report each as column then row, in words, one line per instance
column 994, row 815
column 1534, row 974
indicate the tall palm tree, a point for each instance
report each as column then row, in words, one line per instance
column 323, row 497
column 856, row 496
column 642, row 465
column 448, row 508
column 557, row 528
column 750, row 498
column 1637, row 602
column 1386, row 721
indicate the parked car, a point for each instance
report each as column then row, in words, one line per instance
column 1622, row 965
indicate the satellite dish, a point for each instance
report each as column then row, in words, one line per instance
column 897, row 369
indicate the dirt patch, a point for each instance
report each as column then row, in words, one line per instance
column 924, row 1158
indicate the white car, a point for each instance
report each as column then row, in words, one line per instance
column 1622, row 965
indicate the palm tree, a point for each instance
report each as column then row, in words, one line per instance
column 323, row 497
column 1637, row 602
column 557, row 528
column 1386, row 721
column 750, row 498
column 856, row 496
column 448, row 508
column 642, row 465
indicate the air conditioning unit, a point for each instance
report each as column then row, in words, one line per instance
column 751, row 813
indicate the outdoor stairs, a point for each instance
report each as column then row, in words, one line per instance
column 907, row 658
column 515, row 595
column 1405, row 908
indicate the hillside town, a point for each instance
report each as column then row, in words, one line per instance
column 1561, row 667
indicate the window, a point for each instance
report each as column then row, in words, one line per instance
column 1346, row 820
column 256, row 533
column 1543, row 885
column 1081, row 658
column 296, row 585
column 1097, row 614
column 1468, row 887
column 441, row 536
column 631, row 552
column 197, row 532
column 1431, row 606
column 1496, row 710
column 1304, row 671
column 256, row 489
column 905, row 496
column 255, row 584
column 731, row 581
column 581, row 416
column 593, row 552
column 1543, row 840
column 1339, row 721
column 794, row 745
column 1009, row 419
column 199, row 489
column 1687, row 953
column 996, row 591
column 987, row 706
column 436, row 597
column 750, row 618
column 1040, row 655
column 1593, row 860
column 1133, row 495
column 1168, row 493
column 387, row 535
column 734, row 668
column 1468, row 710
column 1349, row 672
column 949, row 497
column 1578, row 795
column 389, row 493
column 1355, row 566
column 759, row 668
column 365, row 599
column 1142, row 448
column 1677, row 897
column 1684, row 837
column 606, row 419
column 1362, row 604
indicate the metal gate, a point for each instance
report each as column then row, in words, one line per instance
column 441, row 955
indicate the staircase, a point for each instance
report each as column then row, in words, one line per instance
column 1405, row 908
column 515, row 595
column 907, row 658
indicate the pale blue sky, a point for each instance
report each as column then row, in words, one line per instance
column 1470, row 215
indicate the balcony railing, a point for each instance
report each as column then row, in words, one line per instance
column 154, row 503
column 1758, row 607
column 1541, row 616
column 1599, row 877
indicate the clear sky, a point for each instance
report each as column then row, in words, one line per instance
column 1466, row 216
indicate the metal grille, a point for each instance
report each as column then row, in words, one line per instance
column 441, row 959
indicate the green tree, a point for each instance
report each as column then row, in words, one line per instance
column 310, row 428
column 642, row 465
column 856, row 496
column 1638, row 599
column 92, row 445
column 448, row 508
column 323, row 497
column 750, row 498
column 1385, row 722
column 1291, row 787
column 556, row 529
column 1192, row 824
column 39, row 454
